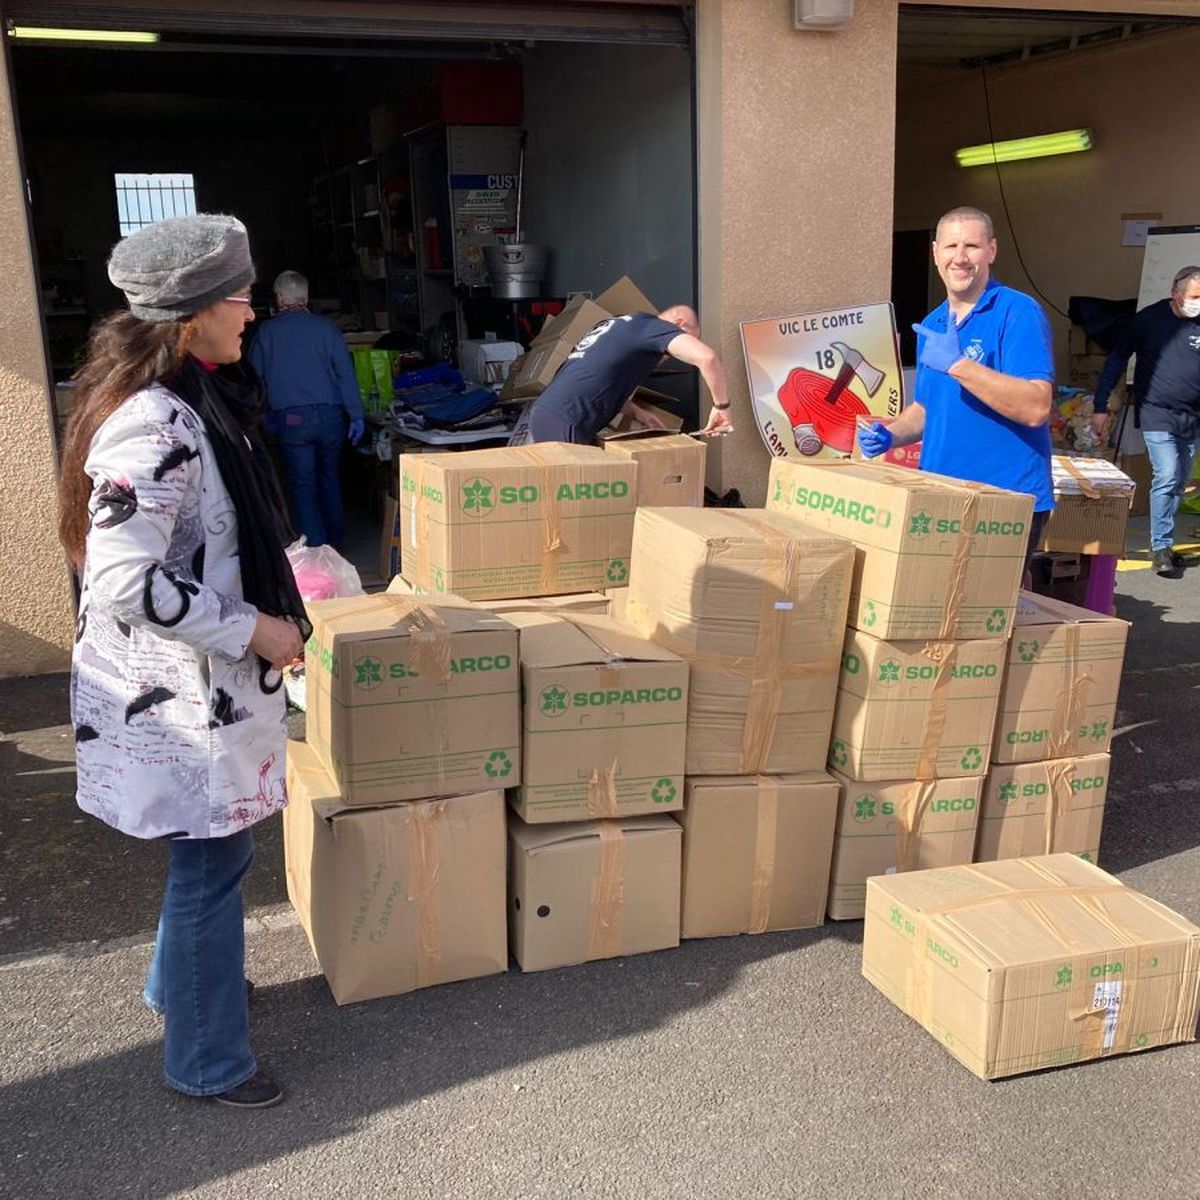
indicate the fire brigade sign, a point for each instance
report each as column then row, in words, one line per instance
column 814, row 378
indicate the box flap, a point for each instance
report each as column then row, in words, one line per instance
column 391, row 614
column 577, row 639
column 533, row 838
column 1034, row 609
column 1088, row 477
column 650, row 439
column 806, row 779
column 625, row 297
column 497, row 458
column 905, row 478
column 738, row 525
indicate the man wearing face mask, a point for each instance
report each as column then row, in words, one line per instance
column 1165, row 336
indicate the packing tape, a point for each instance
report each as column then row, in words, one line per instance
column 910, row 814
column 552, row 543
column 425, row 884
column 602, row 791
column 765, row 837
column 944, row 654
column 1071, row 700
column 958, row 568
column 1086, row 486
column 430, row 637
column 608, row 894
column 1060, row 774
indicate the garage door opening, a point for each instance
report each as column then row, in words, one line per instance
column 379, row 168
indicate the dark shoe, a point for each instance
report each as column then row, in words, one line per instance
column 249, row 991
column 1178, row 559
column 1164, row 564
column 257, row 1092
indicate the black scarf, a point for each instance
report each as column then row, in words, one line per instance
column 231, row 402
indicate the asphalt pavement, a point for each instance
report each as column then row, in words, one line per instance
column 753, row 1066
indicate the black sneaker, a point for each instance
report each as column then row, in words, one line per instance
column 257, row 1092
column 1178, row 559
column 1165, row 565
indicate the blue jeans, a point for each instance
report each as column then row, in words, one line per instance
column 197, row 976
column 1171, row 463
column 311, row 439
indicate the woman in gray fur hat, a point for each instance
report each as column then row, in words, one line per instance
column 188, row 612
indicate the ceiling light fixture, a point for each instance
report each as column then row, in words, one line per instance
column 1070, row 141
column 33, row 33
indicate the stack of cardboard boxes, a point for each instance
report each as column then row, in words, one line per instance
column 754, row 603
column 937, row 569
column 1046, row 789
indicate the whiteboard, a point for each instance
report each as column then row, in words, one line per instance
column 1169, row 248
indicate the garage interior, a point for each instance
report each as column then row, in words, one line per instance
column 332, row 145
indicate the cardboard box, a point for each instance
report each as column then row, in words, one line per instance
column 936, row 558
column 1137, row 468
column 1083, row 370
column 1091, row 507
column 389, row 540
column 1032, row 962
column 560, row 334
column 411, row 697
column 756, row 852
column 916, row 710
column 572, row 602
column 520, row 521
column 897, row 826
column 756, row 603
column 1079, row 343
column 605, row 720
column 659, row 403
column 1043, row 808
column 1060, row 686
column 592, row 889
column 670, row 466
column 399, row 897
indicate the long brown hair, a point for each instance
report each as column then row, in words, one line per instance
column 125, row 354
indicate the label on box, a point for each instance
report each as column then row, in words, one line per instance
column 1107, row 996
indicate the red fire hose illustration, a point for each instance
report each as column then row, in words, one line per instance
column 823, row 411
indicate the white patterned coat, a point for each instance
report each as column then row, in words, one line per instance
column 176, row 731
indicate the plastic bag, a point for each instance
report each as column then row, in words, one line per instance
column 322, row 573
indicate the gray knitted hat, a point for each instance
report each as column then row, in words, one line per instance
column 176, row 267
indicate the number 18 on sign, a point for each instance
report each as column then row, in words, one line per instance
column 815, row 377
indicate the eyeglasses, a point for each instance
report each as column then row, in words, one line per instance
column 238, row 300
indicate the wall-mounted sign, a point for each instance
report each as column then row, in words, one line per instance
column 814, row 377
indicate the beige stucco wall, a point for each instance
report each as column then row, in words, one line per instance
column 796, row 154
column 36, row 603
column 1066, row 211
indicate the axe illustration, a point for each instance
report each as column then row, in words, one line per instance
column 853, row 364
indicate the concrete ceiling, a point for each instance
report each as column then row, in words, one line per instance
column 937, row 38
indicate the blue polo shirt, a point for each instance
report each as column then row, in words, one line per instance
column 1007, row 331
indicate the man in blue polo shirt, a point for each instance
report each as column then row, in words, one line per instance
column 985, row 376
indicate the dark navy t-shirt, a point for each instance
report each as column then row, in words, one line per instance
column 1166, row 377
column 1007, row 331
column 603, row 370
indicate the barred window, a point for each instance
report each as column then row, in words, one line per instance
column 145, row 198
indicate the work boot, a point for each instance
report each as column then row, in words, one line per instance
column 1164, row 563
column 257, row 1092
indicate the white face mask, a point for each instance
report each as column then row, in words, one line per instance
column 1190, row 309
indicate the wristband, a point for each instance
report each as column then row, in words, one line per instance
column 723, row 407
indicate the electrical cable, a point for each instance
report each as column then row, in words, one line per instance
column 804, row 398
column 987, row 102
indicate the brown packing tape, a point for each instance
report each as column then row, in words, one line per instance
column 1086, row 486
column 944, row 654
column 608, row 894
column 602, row 791
column 910, row 813
column 1060, row 774
column 762, row 883
column 552, row 543
column 430, row 639
column 958, row 568
column 1071, row 701
column 424, row 884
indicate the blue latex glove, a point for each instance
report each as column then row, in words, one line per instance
column 874, row 439
column 354, row 435
column 941, row 349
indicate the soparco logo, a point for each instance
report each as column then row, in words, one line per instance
column 889, row 672
column 919, row 525
column 477, row 498
column 553, row 701
column 835, row 506
column 368, row 673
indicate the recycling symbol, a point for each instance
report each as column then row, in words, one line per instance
column 919, row 525
column 837, row 752
column 368, row 673
column 869, row 614
column 1028, row 651
column 971, row 759
column 1141, row 1040
column 889, row 672
column 997, row 619
column 663, row 792
column 617, row 571
column 498, row 765
column 1008, row 792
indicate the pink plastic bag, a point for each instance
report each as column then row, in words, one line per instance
column 322, row 573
